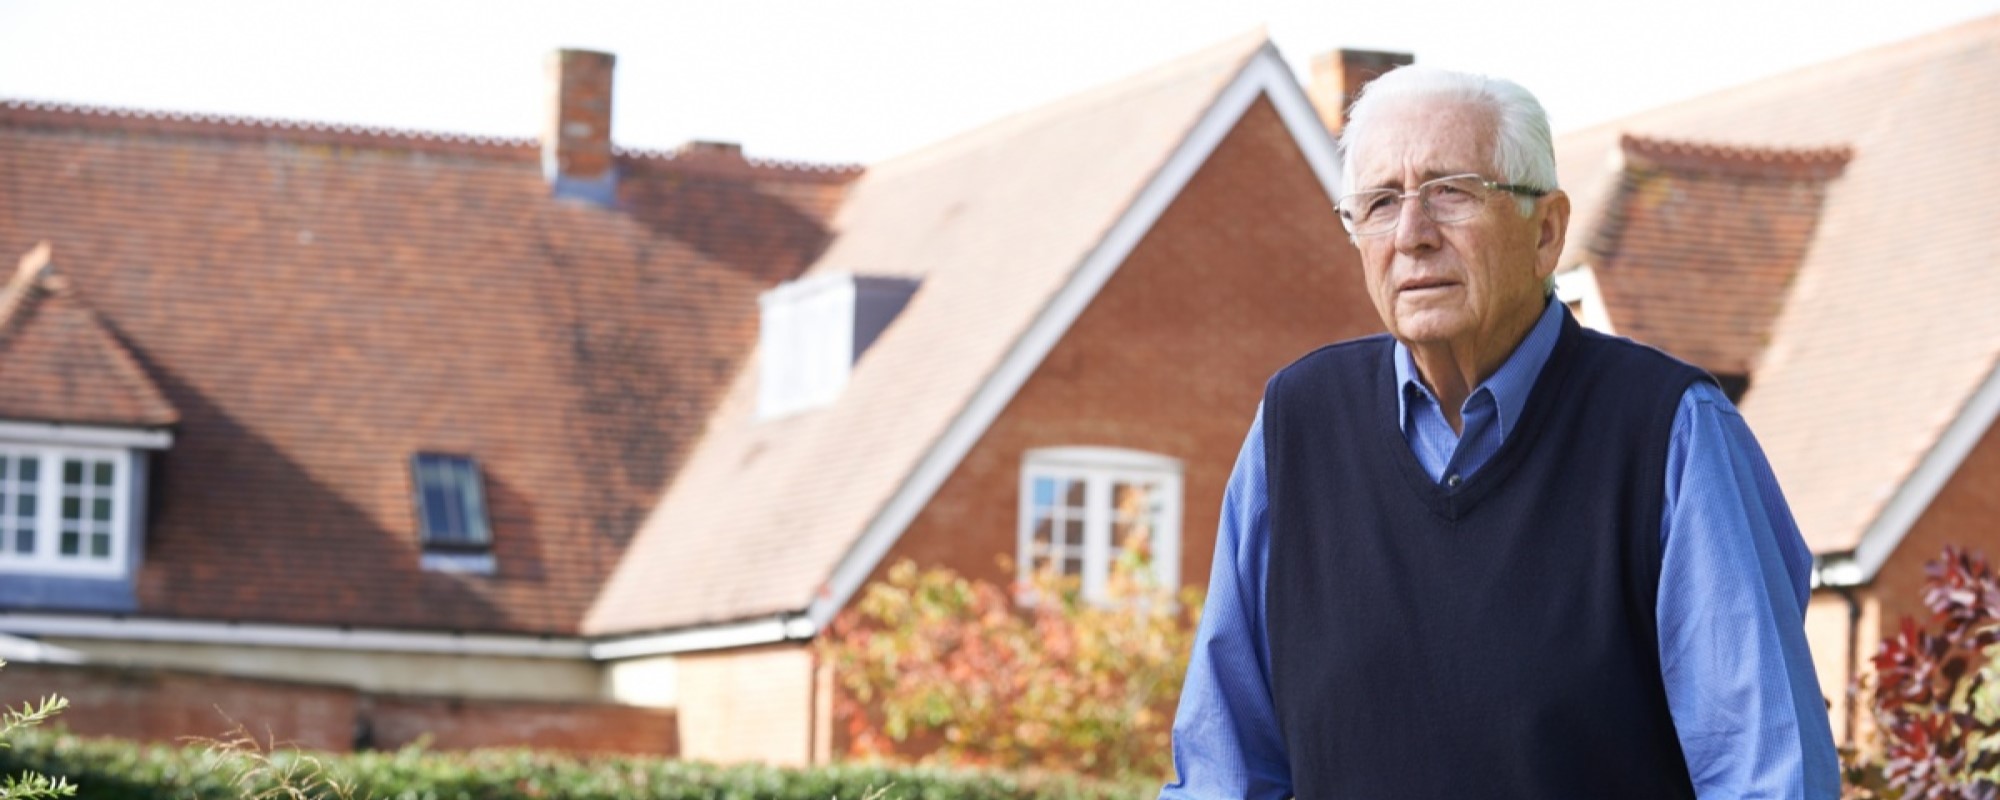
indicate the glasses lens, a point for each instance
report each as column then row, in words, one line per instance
column 1453, row 199
column 1369, row 212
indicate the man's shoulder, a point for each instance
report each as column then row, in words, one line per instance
column 1364, row 352
column 1618, row 358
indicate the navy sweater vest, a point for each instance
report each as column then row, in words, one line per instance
column 1496, row 639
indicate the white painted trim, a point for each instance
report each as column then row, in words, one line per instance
column 302, row 636
column 1911, row 499
column 14, row 649
column 1101, row 458
column 1579, row 285
column 1263, row 75
column 85, row 435
column 770, row 630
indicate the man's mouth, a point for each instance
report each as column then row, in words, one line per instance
column 1425, row 284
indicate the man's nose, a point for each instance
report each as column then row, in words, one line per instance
column 1414, row 229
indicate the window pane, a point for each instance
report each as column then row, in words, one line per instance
column 100, row 545
column 24, row 540
column 1044, row 492
column 103, row 476
column 1072, row 566
column 24, row 507
column 71, row 542
column 1074, row 535
column 30, row 469
column 72, row 508
column 1043, row 526
column 1074, row 496
column 100, row 509
column 451, row 503
column 4, row 462
column 72, row 472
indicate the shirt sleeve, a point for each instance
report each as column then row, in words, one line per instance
column 1226, row 740
column 1733, row 589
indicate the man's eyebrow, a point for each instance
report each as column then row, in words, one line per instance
column 1425, row 177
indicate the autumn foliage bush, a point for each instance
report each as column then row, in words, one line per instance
column 933, row 664
column 1935, row 702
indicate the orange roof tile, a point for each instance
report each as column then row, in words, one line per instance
column 59, row 364
column 318, row 303
column 992, row 224
column 1698, row 244
column 1889, row 325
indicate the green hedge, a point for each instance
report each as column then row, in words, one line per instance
column 116, row 770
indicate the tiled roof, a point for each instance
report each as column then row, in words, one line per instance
column 991, row 224
column 318, row 303
column 1889, row 325
column 59, row 364
column 1699, row 242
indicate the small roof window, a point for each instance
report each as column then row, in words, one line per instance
column 451, row 505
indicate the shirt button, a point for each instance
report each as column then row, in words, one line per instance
column 1452, row 480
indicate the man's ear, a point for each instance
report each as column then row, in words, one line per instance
column 1550, row 232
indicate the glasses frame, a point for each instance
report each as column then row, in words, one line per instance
column 1489, row 186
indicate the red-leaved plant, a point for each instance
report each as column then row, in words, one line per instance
column 1935, row 698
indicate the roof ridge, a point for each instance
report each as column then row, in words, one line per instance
column 1723, row 158
column 26, row 279
column 234, row 125
column 88, row 112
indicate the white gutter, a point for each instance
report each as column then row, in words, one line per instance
column 770, row 630
column 302, row 636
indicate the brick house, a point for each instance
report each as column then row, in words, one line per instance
column 362, row 433
column 1804, row 239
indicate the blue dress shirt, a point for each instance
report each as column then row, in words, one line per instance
column 1733, row 585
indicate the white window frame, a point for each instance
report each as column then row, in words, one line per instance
column 805, row 343
column 1098, row 468
column 48, row 517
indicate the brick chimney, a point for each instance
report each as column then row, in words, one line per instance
column 576, row 145
column 1337, row 78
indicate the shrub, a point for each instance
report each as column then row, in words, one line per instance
column 29, row 784
column 1934, row 702
column 932, row 661
column 109, row 769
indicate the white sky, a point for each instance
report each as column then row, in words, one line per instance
column 861, row 80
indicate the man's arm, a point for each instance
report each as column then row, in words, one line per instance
column 1733, row 589
column 1226, row 741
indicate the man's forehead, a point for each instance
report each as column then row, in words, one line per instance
column 1429, row 137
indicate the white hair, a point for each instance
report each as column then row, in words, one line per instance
column 1524, row 153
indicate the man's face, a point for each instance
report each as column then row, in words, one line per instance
column 1465, row 282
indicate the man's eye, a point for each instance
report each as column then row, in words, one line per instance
column 1449, row 190
column 1377, row 203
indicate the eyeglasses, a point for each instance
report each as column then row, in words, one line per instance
column 1454, row 198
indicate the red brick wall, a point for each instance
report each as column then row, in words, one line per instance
column 458, row 724
column 1966, row 513
column 170, row 705
column 1246, row 271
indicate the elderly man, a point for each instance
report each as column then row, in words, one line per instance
column 1494, row 555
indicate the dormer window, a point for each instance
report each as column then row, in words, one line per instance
column 451, row 513
column 64, row 511
column 812, row 331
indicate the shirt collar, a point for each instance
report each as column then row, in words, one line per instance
column 1508, row 386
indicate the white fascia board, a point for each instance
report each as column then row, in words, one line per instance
column 1264, row 75
column 1914, row 497
column 88, row 435
column 301, row 636
column 770, row 630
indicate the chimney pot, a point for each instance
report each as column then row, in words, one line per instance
column 1337, row 78
column 576, row 145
